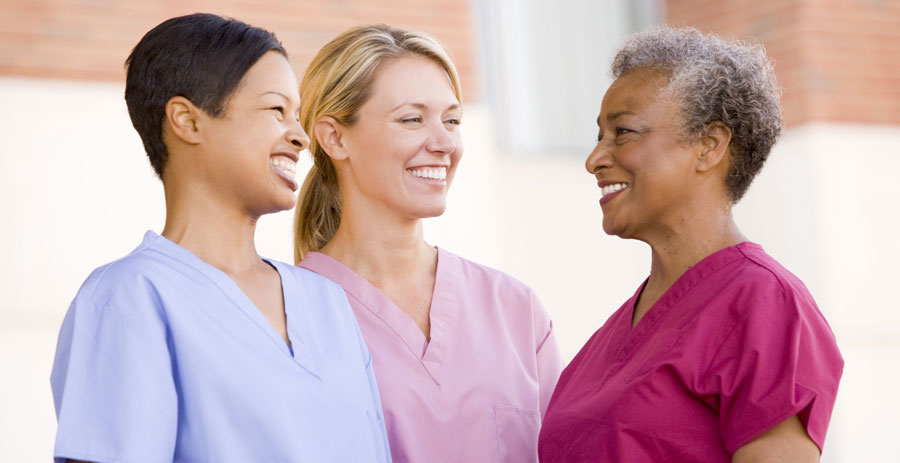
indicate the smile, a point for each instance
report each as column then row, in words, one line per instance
column 286, row 166
column 613, row 188
column 433, row 173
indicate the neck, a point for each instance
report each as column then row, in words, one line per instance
column 218, row 233
column 381, row 247
column 677, row 249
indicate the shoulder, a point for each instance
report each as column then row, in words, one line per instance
column 306, row 279
column 474, row 274
column 768, row 270
column 319, row 295
column 761, row 299
column 127, row 281
column 121, row 296
column 498, row 293
column 323, row 305
column 763, row 281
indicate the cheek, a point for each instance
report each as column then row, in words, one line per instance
column 388, row 146
column 456, row 156
column 457, row 140
column 254, row 138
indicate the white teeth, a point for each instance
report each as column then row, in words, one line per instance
column 434, row 173
column 285, row 165
column 613, row 188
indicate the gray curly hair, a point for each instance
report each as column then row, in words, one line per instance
column 712, row 80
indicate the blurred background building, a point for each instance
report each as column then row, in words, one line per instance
column 77, row 190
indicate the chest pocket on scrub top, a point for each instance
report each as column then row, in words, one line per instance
column 517, row 433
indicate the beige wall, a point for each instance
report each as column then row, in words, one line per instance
column 78, row 192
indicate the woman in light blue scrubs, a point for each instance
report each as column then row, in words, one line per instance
column 192, row 347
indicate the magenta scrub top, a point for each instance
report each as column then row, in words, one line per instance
column 733, row 348
column 476, row 392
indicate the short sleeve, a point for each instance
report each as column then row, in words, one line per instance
column 113, row 387
column 549, row 362
column 781, row 360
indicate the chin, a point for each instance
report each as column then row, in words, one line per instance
column 429, row 211
column 281, row 202
column 612, row 229
column 289, row 201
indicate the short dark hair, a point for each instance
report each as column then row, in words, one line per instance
column 202, row 57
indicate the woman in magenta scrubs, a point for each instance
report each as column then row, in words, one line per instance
column 464, row 355
column 721, row 354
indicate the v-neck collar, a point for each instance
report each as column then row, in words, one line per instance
column 670, row 298
column 296, row 324
column 431, row 354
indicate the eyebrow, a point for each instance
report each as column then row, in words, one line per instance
column 424, row 106
column 275, row 93
column 616, row 115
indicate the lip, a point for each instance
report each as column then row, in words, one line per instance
column 433, row 166
column 292, row 155
column 290, row 182
column 609, row 197
column 429, row 181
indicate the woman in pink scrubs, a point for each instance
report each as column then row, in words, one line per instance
column 721, row 354
column 464, row 355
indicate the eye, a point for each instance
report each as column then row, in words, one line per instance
column 623, row 131
column 411, row 119
column 278, row 109
column 453, row 121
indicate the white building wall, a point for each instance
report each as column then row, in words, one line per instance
column 77, row 191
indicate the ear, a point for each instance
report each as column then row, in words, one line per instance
column 329, row 134
column 714, row 140
column 182, row 117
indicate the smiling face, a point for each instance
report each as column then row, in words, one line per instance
column 254, row 147
column 403, row 149
column 644, row 167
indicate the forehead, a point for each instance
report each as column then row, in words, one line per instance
column 271, row 73
column 412, row 78
column 638, row 90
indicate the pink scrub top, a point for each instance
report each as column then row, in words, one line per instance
column 476, row 392
column 733, row 348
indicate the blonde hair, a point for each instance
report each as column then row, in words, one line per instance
column 336, row 84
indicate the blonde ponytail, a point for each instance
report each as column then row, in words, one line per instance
column 318, row 211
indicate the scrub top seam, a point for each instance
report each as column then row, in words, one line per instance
column 671, row 301
column 546, row 337
column 718, row 350
column 385, row 322
column 115, row 309
column 768, row 270
column 209, row 273
column 356, row 286
column 142, row 248
column 300, row 349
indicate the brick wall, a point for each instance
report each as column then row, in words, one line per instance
column 838, row 60
column 81, row 39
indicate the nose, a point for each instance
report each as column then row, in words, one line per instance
column 599, row 159
column 441, row 139
column 297, row 137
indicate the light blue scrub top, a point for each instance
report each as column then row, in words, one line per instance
column 162, row 357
